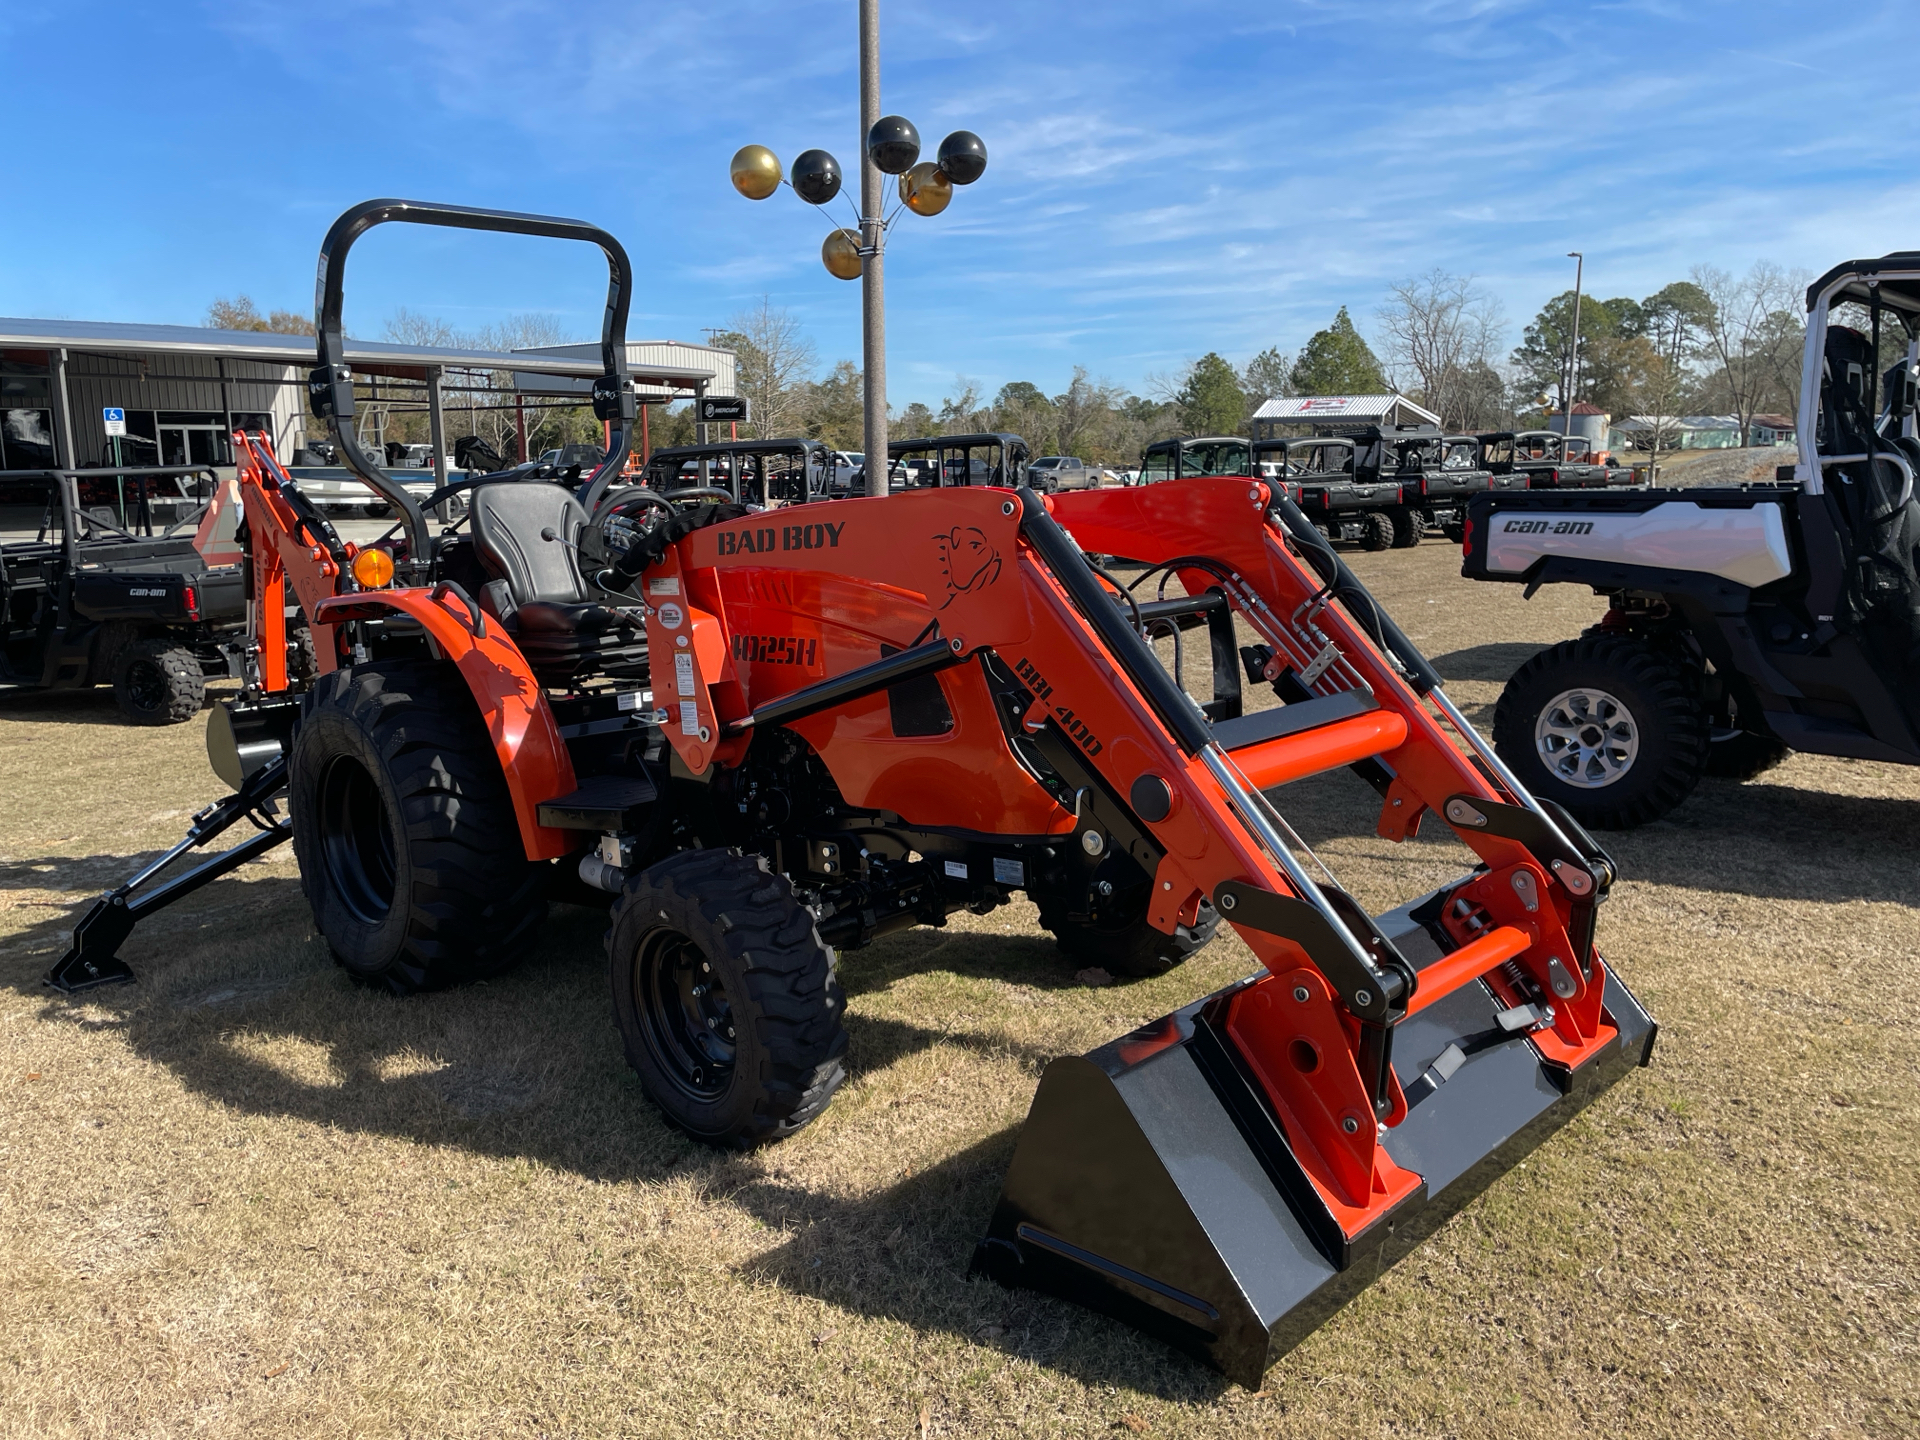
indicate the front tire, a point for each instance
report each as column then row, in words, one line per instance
column 156, row 682
column 1608, row 727
column 1122, row 941
column 409, row 849
column 1407, row 528
column 726, row 998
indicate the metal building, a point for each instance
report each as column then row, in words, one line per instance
column 184, row 389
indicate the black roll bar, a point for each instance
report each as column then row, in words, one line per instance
column 330, row 384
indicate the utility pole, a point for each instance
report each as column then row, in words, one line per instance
column 873, row 235
column 1573, row 355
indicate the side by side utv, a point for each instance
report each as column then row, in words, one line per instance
column 770, row 734
column 1345, row 502
column 1743, row 621
column 91, row 593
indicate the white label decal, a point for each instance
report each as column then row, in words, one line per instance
column 1008, row 872
column 671, row 615
column 683, row 674
column 632, row 699
column 689, row 718
column 956, row 870
column 664, row 585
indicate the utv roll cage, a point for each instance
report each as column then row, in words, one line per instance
column 1005, row 462
column 748, row 469
column 1305, row 445
column 62, row 489
column 1497, row 450
column 1190, row 455
column 1888, row 284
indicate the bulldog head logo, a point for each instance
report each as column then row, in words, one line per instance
column 968, row 560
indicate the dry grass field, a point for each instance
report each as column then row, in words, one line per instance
column 246, row 1198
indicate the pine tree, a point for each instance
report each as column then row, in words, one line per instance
column 1336, row 361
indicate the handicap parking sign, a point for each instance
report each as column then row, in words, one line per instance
column 115, row 418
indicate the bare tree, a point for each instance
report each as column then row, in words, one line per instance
column 1082, row 412
column 773, row 360
column 1744, row 332
column 1439, row 327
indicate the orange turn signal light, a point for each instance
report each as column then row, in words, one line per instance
column 373, row 569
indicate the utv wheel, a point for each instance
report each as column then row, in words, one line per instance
column 1124, row 942
column 1609, row 728
column 725, row 998
column 158, row 683
column 409, row 850
column 1407, row 528
column 1741, row 754
column 1376, row 531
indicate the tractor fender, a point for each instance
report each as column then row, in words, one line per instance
column 526, row 738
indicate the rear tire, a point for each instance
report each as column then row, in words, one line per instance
column 1741, row 754
column 726, row 998
column 157, row 682
column 1407, row 528
column 1609, row 728
column 409, row 849
column 1376, row 531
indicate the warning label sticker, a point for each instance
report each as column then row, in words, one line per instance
column 689, row 718
column 683, row 674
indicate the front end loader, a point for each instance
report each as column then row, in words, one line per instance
column 769, row 734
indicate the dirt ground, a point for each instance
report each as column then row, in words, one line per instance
column 244, row 1197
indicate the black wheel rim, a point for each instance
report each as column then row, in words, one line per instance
column 146, row 685
column 686, row 1014
column 356, row 839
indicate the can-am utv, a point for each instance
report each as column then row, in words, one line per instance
column 1745, row 620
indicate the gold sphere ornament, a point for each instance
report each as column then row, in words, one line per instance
column 755, row 171
column 926, row 189
column 841, row 254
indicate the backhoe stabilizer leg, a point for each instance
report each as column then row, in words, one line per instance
column 1155, row 1181
column 92, row 959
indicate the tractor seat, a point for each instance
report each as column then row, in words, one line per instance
column 537, row 591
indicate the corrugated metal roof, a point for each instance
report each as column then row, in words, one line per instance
column 363, row 355
column 659, row 367
column 1339, row 407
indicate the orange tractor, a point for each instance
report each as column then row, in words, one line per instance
column 765, row 735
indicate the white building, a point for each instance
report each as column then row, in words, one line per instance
column 1336, row 414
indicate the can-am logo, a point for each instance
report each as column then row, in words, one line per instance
column 1547, row 527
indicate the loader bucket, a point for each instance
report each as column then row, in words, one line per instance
column 1154, row 1181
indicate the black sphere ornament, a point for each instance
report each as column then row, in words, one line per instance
column 963, row 155
column 815, row 176
column 893, row 144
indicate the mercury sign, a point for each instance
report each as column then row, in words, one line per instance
column 723, row 407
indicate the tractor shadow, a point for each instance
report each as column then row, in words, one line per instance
column 241, row 1000
column 902, row 1254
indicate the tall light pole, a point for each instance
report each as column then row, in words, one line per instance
column 1573, row 355
column 873, row 242
column 889, row 145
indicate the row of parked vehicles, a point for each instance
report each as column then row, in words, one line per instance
column 104, row 580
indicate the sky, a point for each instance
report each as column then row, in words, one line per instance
column 1164, row 179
